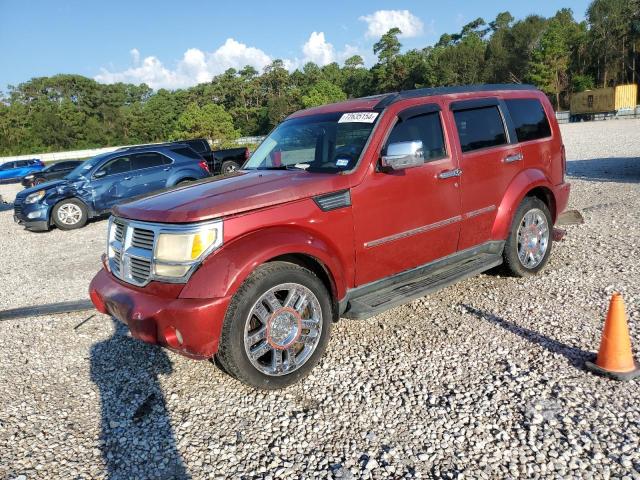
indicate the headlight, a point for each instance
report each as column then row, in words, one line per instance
column 176, row 252
column 34, row 197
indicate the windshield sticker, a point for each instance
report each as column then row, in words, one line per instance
column 342, row 162
column 358, row 117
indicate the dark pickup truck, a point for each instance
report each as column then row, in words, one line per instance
column 219, row 161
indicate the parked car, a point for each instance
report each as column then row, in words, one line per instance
column 344, row 210
column 229, row 159
column 50, row 172
column 16, row 169
column 220, row 161
column 95, row 186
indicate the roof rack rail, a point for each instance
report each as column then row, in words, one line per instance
column 392, row 98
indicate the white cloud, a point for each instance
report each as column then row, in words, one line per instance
column 233, row 54
column 135, row 56
column 318, row 50
column 195, row 66
column 380, row 22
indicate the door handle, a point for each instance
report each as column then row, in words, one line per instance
column 456, row 172
column 516, row 157
column 166, row 169
column 127, row 178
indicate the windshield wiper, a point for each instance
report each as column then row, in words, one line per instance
column 282, row 167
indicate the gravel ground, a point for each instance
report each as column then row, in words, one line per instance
column 481, row 380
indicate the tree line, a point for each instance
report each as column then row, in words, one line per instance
column 557, row 54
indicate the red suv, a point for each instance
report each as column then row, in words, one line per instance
column 344, row 210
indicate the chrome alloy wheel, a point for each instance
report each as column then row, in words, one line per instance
column 283, row 329
column 69, row 214
column 533, row 238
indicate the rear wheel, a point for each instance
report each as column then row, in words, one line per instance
column 70, row 214
column 277, row 326
column 228, row 167
column 528, row 246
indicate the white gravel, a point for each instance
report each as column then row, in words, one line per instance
column 481, row 380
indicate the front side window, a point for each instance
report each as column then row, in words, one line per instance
column 147, row 160
column 528, row 118
column 329, row 143
column 480, row 128
column 426, row 128
column 115, row 166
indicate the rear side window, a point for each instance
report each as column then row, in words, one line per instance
column 480, row 128
column 22, row 163
column 187, row 152
column 147, row 160
column 528, row 118
column 426, row 128
column 197, row 145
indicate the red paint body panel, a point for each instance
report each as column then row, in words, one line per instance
column 230, row 195
column 295, row 228
column 396, row 221
column 150, row 315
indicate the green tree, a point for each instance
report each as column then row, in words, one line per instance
column 211, row 121
column 321, row 93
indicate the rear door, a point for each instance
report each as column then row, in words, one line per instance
column 149, row 172
column 490, row 158
column 407, row 218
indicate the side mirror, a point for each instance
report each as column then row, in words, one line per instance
column 99, row 174
column 403, row 155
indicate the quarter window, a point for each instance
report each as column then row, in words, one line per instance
column 480, row 128
column 426, row 128
column 147, row 160
column 529, row 119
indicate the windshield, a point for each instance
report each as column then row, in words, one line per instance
column 84, row 168
column 329, row 143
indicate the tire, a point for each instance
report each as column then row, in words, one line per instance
column 69, row 214
column 243, row 332
column 228, row 167
column 529, row 243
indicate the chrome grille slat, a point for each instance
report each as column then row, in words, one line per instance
column 142, row 238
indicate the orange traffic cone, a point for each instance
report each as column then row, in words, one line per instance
column 615, row 359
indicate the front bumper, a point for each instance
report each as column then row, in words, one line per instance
column 34, row 216
column 187, row 326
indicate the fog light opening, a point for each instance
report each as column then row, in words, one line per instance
column 173, row 337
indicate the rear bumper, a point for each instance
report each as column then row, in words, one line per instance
column 187, row 326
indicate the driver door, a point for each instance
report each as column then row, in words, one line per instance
column 408, row 218
column 108, row 183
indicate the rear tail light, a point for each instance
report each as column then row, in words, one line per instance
column 203, row 165
column 564, row 162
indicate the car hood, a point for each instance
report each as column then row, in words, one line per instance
column 228, row 195
column 53, row 184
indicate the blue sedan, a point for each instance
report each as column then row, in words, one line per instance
column 16, row 169
column 95, row 186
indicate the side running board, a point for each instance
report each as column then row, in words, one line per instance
column 371, row 299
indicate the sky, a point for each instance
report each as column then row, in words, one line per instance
column 178, row 44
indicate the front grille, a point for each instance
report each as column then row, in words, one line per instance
column 116, row 265
column 140, row 269
column 119, row 232
column 142, row 238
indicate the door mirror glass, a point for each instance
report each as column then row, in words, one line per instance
column 403, row 155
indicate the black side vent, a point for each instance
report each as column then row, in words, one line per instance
column 334, row 200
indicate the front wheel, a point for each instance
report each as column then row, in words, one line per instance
column 528, row 246
column 277, row 326
column 70, row 214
